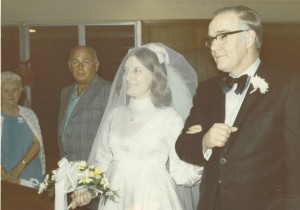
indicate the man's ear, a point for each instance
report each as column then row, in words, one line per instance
column 97, row 65
column 69, row 65
column 250, row 40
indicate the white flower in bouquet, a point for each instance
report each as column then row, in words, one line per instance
column 88, row 177
column 85, row 180
column 105, row 182
column 42, row 187
column 53, row 173
column 259, row 83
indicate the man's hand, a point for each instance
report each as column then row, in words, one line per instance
column 217, row 136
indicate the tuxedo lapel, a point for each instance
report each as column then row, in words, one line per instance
column 219, row 104
column 249, row 100
column 246, row 105
column 218, row 113
column 221, row 108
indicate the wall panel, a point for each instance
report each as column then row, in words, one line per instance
column 184, row 36
column 281, row 44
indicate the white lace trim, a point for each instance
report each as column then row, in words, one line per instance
column 33, row 123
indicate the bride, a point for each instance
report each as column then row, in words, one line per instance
column 151, row 97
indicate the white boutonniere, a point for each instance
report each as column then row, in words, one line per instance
column 259, row 83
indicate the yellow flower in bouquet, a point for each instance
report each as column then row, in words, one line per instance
column 78, row 176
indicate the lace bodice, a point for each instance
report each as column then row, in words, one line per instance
column 146, row 136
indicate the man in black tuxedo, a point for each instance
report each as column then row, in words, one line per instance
column 246, row 133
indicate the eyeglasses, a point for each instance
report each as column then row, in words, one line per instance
column 221, row 38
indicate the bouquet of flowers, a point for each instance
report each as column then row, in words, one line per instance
column 71, row 176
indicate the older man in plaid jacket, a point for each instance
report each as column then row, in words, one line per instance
column 82, row 105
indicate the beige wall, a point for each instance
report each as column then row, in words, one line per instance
column 16, row 11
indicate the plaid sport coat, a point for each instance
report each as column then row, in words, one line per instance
column 76, row 141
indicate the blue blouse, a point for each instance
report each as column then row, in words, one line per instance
column 16, row 139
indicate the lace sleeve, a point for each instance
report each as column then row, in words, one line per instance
column 101, row 154
column 183, row 173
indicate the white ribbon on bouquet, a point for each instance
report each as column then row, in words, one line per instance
column 65, row 181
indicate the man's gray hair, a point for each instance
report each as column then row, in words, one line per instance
column 91, row 50
column 248, row 17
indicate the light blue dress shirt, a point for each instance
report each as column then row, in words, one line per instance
column 71, row 105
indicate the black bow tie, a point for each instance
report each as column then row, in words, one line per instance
column 228, row 82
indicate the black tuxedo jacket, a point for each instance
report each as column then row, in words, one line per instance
column 259, row 167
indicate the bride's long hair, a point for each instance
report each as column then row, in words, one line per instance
column 160, row 92
column 174, row 85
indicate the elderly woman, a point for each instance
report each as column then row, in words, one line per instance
column 22, row 150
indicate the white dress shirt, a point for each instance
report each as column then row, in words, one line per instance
column 233, row 101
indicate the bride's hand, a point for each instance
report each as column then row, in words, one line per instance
column 194, row 129
column 80, row 198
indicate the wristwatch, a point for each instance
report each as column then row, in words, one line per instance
column 25, row 162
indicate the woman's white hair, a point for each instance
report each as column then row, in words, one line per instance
column 9, row 76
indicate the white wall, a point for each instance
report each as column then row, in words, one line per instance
column 16, row 11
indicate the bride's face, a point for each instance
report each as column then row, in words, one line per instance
column 138, row 78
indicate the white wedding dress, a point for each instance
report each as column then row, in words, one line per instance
column 137, row 161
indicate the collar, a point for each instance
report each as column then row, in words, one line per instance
column 251, row 69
